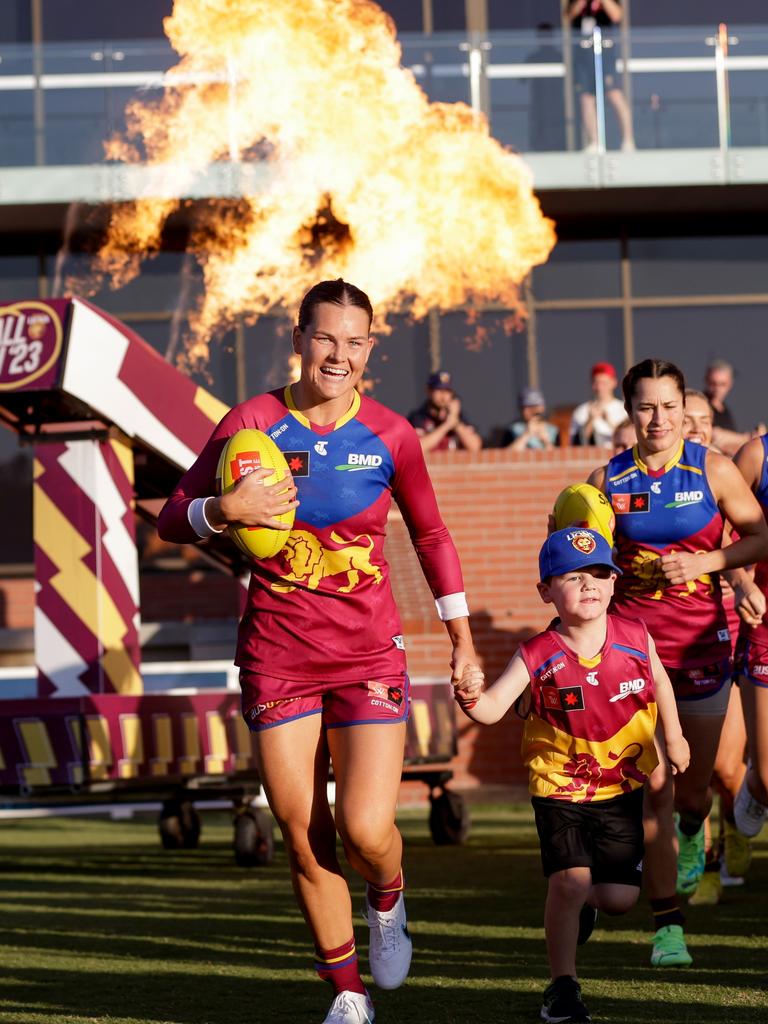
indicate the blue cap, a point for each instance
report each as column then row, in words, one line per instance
column 574, row 548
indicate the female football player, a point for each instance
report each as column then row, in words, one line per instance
column 670, row 498
column 320, row 650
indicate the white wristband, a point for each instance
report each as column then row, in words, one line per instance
column 452, row 606
column 198, row 519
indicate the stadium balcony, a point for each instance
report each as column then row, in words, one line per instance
column 696, row 96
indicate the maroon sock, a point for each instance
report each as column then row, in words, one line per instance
column 666, row 910
column 339, row 967
column 384, row 897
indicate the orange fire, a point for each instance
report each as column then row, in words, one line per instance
column 342, row 166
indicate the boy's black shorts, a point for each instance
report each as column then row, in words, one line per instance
column 606, row 836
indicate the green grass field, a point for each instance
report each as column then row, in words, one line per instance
column 98, row 923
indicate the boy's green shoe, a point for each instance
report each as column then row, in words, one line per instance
column 669, row 949
column 690, row 860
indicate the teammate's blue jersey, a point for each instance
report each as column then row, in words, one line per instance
column 659, row 512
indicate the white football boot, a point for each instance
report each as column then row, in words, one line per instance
column 351, row 1008
column 748, row 813
column 390, row 950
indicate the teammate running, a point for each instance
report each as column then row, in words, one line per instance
column 670, row 498
column 729, row 769
column 596, row 685
column 751, row 804
column 320, row 650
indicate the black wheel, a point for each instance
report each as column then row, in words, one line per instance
column 448, row 818
column 179, row 825
column 254, row 839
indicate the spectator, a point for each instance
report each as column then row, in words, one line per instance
column 624, row 437
column 585, row 16
column 718, row 382
column 594, row 422
column 533, row 429
column 439, row 422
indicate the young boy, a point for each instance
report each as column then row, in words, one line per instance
column 596, row 684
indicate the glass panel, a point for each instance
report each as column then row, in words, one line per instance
column 440, row 65
column 488, row 369
column 16, row 547
column 747, row 67
column 673, row 87
column 570, row 342
column 525, row 73
column 580, row 270
column 699, row 266
column 693, row 336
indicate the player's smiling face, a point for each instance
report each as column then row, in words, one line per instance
column 334, row 350
column 657, row 414
column 580, row 595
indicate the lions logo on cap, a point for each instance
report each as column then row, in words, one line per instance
column 584, row 542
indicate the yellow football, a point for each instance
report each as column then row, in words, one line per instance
column 244, row 452
column 584, row 505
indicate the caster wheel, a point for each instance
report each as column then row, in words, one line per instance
column 448, row 818
column 179, row 825
column 254, row 839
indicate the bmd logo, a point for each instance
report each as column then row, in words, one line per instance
column 359, row 460
column 683, row 498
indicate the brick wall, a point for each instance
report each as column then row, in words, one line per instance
column 496, row 505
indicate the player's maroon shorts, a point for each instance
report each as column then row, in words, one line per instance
column 701, row 683
column 752, row 661
column 368, row 702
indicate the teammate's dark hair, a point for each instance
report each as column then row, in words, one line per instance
column 338, row 292
column 653, row 369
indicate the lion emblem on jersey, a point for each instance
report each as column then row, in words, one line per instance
column 589, row 775
column 310, row 562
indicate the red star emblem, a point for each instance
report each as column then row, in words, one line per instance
column 639, row 502
column 570, row 698
column 295, row 464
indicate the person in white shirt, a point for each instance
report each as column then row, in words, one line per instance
column 594, row 422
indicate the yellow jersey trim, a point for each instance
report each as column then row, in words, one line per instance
column 348, row 415
column 590, row 662
column 670, row 465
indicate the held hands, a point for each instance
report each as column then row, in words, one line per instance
column 469, row 687
column 678, row 754
column 750, row 604
column 253, row 503
column 681, row 566
column 454, row 413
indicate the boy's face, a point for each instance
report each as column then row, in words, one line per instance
column 581, row 595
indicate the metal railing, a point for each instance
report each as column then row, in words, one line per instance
column 692, row 88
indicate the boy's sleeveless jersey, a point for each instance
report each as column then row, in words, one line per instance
column 658, row 513
column 322, row 609
column 759, row 634
column 590, row 732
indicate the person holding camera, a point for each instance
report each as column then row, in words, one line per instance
column 533, row 429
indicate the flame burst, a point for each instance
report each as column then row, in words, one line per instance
column 360, row 176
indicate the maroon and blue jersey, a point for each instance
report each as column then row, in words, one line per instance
column 322, row 610
column 759, row 634
column 659, row 512
column 590, row 732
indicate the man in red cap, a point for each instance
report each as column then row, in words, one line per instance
column 439, row 422
column 594, row 422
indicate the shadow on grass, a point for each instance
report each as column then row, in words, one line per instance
column 97, row 922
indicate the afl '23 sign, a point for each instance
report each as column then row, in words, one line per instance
column 31, row 335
